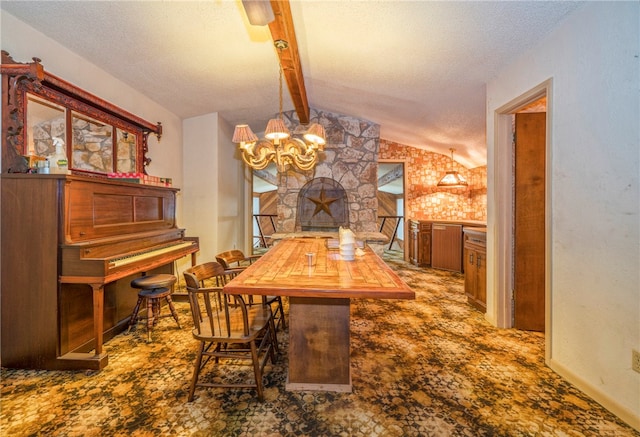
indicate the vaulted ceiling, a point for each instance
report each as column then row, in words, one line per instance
column 417, row 68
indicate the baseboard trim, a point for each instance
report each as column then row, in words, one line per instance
column 607, row 402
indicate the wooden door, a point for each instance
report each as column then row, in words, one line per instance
column 529, row 222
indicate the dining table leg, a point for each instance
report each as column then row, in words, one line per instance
column 319, row 344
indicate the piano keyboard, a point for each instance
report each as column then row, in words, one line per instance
column 140, row 256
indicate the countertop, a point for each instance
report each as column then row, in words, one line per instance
column 475, row 223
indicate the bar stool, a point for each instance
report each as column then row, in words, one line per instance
column 153, row 288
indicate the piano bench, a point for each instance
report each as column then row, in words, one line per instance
column 150, row 282
column 154, row 288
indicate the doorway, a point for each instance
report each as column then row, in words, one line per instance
column 264, row 207
column 391, row 204
column 505, row 237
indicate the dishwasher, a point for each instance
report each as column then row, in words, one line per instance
column 446, row 247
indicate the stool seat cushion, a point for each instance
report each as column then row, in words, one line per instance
column 150, row 282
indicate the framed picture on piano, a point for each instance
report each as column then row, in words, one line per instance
column 41, row 110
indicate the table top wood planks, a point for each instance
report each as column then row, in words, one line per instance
column 285, row 270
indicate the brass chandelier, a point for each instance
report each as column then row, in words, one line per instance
column 278, row 145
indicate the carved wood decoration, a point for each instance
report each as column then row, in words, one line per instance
column 22, row 79
column 282, row 28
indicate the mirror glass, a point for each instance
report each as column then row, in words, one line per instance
column 45, row 121
column 92, row 144
column 125, row 151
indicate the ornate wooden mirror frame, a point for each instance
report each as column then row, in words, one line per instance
column 99, row 137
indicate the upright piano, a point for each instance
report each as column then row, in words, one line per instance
column 70, row 247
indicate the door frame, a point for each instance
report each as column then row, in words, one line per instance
column 503, row 161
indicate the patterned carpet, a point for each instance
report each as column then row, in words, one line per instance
column 429, row 367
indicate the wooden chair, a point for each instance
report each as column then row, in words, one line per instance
column 234, row 261
column 227, row 328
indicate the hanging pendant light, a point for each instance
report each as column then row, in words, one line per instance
column 453, row 179
column 278, row 145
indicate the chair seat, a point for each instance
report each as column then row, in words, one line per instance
column 154, row 281
column 257, row 316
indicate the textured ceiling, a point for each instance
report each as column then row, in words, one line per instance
column 417, row 68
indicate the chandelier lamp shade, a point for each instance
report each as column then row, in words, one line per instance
column 453, row 179
column 278, row 145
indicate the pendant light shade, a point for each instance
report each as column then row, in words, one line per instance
column 244, row 134
column 453, row 179
column 316, row 135
column 276, row 130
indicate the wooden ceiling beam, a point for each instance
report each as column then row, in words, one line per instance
column 281, row 28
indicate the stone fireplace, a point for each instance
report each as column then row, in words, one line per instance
column 349, row 161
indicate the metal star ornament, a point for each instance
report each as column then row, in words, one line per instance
column 323, row 202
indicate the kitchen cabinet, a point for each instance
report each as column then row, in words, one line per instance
column 420, row 242
column 475, row 266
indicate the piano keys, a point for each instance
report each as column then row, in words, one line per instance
column 145, row 255
column 70, row 247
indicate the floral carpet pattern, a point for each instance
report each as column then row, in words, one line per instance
column 429, row 367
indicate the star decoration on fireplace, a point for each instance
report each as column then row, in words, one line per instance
column 322, row 203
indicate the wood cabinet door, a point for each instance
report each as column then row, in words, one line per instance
column 425, row 247
column 481, row 278
column 470, row 273
column 413, row 244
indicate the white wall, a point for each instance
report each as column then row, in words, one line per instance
column 593, row 60
column 23, row 43
column 234, row 212
column 213, row 189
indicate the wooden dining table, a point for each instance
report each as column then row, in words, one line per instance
column 320, row 286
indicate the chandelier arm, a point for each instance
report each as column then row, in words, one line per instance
column 306, row 166
column 297, row 148
column 297, row 152
column 255, row 164
column 259, row 154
